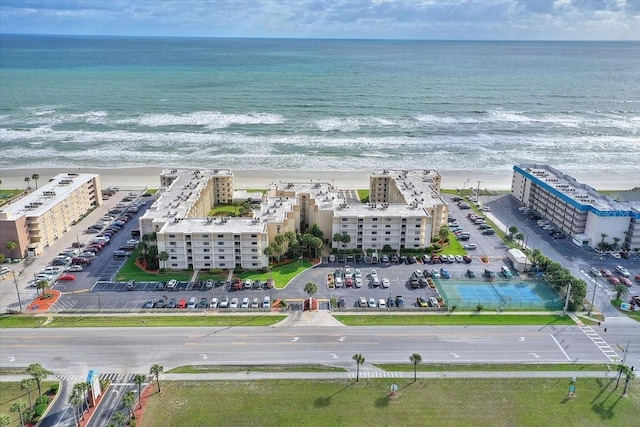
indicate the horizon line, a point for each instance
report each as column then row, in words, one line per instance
column 320, row 38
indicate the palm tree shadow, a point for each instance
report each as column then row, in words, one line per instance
column 323, row 402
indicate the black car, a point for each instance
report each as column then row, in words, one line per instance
column 489, row 274
column 172, row 303
column 358, row 258
column 203, row 303
column 342, row 303
column 471, row 274
column 160, row 304
column 391, row 303
column 400, row 301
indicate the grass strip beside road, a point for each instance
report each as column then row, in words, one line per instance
column 280, row 275
column 384, row 319
column 495, row 367
column 443, row 402
column 10, row 392
column 219, row 369
column 17, row 321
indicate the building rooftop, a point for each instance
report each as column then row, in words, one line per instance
column 44, row 198
column 579, row 193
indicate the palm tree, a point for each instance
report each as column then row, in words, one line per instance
column 359, row 358
column 310, row 288
column 620, row 290
column 129, row 401
column 519, row 238
column 316, row 243
column 604, row 236
column 630, row 376
column 443, row 233
column 120, row 418
column 74, row 400
column 19, row 406
column 35, row 177
column 28, row 181
column 11, row 245
column 156, row 370
column 338, row 238
column 346, row 239
column 83, row 389
column 163, row 256
column 144, row 247
column 38, row 373
column 513, row 230
column 42, row 284
column 139, row 380
column 268, row 251
column 616, row 243
column 27, row 384
column 415, row 358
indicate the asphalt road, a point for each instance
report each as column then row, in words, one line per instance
column 131, row 350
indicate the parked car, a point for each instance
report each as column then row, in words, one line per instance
column 149, row 304
column 595, row 272
column 606, row 273
column 245, row 303
column 372, row 303
column 625, row 281
column 67, row 277
column 434, row 302
column 342, row 303
column 382, row 303
column 400, row 301
column 255, row 303
column 224, row 302
column 422, row 302
column 471, row 274
column 172, row 304
column 445, row 274
column 362, row 302
column 234, row 303
column 385, row 282
column 74, row 268
column 613, row 280
column 467, row 259
column 459, row 258
column 622, row 271
column 435, row 274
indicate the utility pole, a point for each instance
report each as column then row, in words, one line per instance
column 15, row 280
column 566, row 301
column 624, row 360
column 478, row 193
column 593, row 297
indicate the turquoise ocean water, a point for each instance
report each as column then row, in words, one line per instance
column 319, row 104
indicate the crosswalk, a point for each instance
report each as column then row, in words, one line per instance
column 114, row 378
column 375, row 374
column 601, row 344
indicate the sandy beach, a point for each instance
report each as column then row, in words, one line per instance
column 149, row 177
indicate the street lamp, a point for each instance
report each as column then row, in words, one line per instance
column 593, row 297
column 15, row 280
column 478, row 193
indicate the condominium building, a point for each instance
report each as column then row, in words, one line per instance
column 575, row 208
column 408, row 218
column 42, row 216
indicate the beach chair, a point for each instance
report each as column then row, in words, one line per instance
column 572, row 391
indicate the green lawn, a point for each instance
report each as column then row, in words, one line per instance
column 457, row 319
column 17, row 321
column 131, row 271
column 454, row 247
column 363, row 195
column 232, row 210
column 494, row 367
column 199, row 369
column 10, row 392
column 442, row 402
column 281, row 275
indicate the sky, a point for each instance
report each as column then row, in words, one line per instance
column 337, row 19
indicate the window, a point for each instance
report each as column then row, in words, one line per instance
column 387, row 232
column 221, row 257
column 220, row 236
column 207, row 264
column 345, row 219
column 172, row 243
column 207, row 257
column 205, row 236
column 205, row 243
column 174, row 265
column 374, row 219
column 254, row 236
column 172, row 236
column 206, row 250
column 220, row 243
column 374, row 232
column 172, row 250
column 254, row 250
column 174, row 257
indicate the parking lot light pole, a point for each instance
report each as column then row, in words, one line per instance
column 478, row 193
column 566, row 301
column 15, row 281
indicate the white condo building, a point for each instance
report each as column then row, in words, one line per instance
column 576, row 209
column 405, row 211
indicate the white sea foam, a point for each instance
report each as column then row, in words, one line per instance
column 208, row 119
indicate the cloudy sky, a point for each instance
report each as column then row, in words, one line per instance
column 384, row 19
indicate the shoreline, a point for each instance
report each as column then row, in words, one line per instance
column 149, row 176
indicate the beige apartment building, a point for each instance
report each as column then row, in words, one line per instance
column 42, row 216
column 405, row 212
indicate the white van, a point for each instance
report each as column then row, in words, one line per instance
column 192, row 302
column 4, row 270
column 506, row 272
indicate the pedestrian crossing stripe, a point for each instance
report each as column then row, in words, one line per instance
column 601, row 344
column 382, row 374
column 114, row 378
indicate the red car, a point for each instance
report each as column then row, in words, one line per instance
column 349, row 282
column 613, row 280
column 637, row 277
column 67, row 277
column 626, row 282
column 606, row 273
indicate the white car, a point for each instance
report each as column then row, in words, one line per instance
column 255, row 303
column 245, row 303
column 374, row 274
column 358, row 282
column 459, row 258
column 224, row 302
column 485, row 208
column 357, row 274
column 74, row 267
column 622, row 271
column 234, row 303
column 385, row 283
column 372, row 303
column 266, row 302
column 214, row 303
column 347, row 270
column 382, row 303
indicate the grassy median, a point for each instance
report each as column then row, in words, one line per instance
column 14, row 321
column 442, row 402
column 384, row 319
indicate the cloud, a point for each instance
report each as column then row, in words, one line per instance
column 406, row 19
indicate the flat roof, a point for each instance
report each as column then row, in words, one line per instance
column 44, row 198
column 578, row 194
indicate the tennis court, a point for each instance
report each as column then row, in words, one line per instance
column 496, row 295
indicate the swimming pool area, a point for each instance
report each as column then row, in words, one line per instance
column 499, row 294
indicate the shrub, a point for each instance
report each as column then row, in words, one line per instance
column 265, row 269
column 215, row 271
column 40, row 408
column 42, row 400
column 54, row 388
column 436, row 247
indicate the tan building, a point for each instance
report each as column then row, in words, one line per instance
column 406, row 213
column 41, row 217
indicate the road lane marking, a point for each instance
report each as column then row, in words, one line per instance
column 455, row 355
column 602, row 345
column 560, row 347
column 535, row 355
column 294, row 339
column 333, row 355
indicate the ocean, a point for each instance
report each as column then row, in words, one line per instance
column 319, row 104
